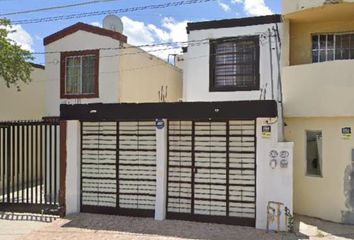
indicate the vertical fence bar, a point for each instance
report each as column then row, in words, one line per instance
column 12, row 160
column 27, row 163
column 8, row 164
column 23, row 163
column 55, row 162
column 50, row 163
column 45, row 162
column 36, row 164
column 41, row 163
column 18, row 163
column 32, row 161
column 3, row 163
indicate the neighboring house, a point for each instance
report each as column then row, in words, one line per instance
column 318, row 51
column 88, row 64
column 25, row 102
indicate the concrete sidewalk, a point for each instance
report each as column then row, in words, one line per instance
column 17, row 225
column 100, row 227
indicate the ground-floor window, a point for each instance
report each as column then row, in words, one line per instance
column 314, row 153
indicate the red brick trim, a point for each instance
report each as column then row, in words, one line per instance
column 63, row 55
column 84, row 27
column 62, row 180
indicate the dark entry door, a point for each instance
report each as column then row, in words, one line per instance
column 211, row 171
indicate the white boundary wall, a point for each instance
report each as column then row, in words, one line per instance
column 272, row 184
column 72, row 182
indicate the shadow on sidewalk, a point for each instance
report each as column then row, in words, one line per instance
column 27, row 217
column 169, row 228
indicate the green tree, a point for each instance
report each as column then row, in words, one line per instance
column 14, row 61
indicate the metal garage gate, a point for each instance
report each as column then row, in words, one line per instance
column 118, row 167
column 212, row 171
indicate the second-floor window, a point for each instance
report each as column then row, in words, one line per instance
column 329, row 47
column 234, row 64
column 79, row 74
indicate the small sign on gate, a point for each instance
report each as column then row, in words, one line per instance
column 266, row 131
column 159, row 123
column 346, row 133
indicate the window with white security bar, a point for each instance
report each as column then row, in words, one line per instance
column 79, row 74
column 330, row 47
column 234, row 64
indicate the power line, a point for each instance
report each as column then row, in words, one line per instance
column 114, row 11
column 54, row 8
column 176, row 44
column 171, row 43
column 193, row 43
column 185, row 59
column 139, row 52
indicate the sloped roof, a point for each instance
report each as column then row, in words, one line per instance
column 84, row 27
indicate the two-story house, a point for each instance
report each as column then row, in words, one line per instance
column 89, row 64
column 239, row 60
column 215, row 157
column 318, row 53
column 83, row 64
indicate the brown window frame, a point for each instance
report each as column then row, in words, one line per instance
column 212, row 87
column 63, row 56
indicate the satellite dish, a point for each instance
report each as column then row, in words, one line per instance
column 113, row 23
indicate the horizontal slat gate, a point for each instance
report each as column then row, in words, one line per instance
column 211, row 171
column 118, row 167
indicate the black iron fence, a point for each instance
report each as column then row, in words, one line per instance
column 29, row 166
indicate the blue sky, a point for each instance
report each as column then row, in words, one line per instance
column 145, row 27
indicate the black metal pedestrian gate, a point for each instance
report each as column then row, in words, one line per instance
column 212, row 171
column 118, row 167
column 29, row 166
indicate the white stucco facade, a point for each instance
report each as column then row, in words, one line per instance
column 73, row 168
column 273, row 184
column 108, row 68
column 196, row 64
column 125, row 73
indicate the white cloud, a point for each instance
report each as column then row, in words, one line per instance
column 159, row 33
column 177, row 30
column 236, row 1
column 224, row 6
column 139, row 33
column 256, row 7
column 21, row 37
column 97, row 24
